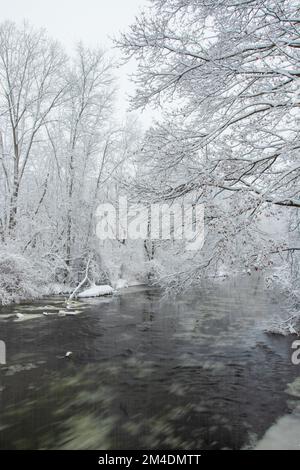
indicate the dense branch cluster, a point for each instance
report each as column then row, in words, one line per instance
column 226, row 77
column 60, row 146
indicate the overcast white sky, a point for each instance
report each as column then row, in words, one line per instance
column 69, row 21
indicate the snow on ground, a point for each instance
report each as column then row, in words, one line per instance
column 285, row 433
column 96, row 291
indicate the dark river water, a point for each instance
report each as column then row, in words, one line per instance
column 197, row 372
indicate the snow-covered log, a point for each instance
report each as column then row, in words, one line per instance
column 96, row 291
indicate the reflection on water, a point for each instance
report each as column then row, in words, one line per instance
column 146, row 372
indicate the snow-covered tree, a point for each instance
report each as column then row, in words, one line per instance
column 32, row 86
column 62, row 151
column 225, row 75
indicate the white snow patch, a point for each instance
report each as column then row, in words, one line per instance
column 21, row 317
column 121, row 284
column 283, row 435
column 96, row 291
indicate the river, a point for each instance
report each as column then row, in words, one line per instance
column 196, row 372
